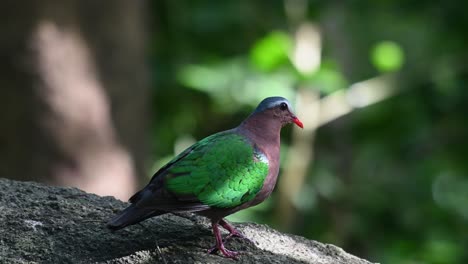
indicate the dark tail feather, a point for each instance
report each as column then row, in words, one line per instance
column 130, row 216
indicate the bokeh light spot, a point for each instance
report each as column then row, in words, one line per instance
column 387, row 56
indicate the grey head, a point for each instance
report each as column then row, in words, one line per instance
column 283, row 109
column 271, row 102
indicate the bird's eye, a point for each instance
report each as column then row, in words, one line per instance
column 283, row 106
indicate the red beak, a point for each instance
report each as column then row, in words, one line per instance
column 298, row 122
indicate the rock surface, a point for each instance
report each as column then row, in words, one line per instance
column 43, row 224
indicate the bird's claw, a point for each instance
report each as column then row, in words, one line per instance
column 226, row 252
column 220, row 241
column 214, row 249
column 239, row 235
column 230, row 254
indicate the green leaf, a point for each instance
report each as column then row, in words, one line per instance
column 271, row 51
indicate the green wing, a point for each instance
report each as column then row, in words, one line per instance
column 219, row 170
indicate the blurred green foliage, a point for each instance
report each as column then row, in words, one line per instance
column 387, row 56
column 271, row 51
column 389, row 182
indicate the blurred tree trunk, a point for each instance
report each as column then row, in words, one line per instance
column 74, row 93
column 334, row 25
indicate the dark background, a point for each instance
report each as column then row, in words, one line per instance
column 97, row 95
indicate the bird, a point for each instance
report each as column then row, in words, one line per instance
column 218, row 175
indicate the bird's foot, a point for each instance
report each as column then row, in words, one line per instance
column 239, row 235
column 220, row 241
column 233, row 232
column 226, row 252
column 229, row 253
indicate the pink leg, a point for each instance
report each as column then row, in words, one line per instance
column 232, row 231
column 219, row 243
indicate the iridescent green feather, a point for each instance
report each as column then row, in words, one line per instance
column 219, row 170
